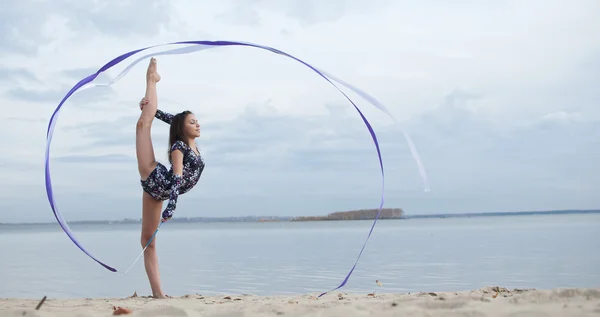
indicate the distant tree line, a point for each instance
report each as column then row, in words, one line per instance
column 362, row 214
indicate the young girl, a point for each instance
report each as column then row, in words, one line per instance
column 158, row 182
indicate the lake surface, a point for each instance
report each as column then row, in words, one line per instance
column 413, row 255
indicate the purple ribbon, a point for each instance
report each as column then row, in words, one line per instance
column 210, row 44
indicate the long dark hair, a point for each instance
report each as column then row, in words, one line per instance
column 176, row 130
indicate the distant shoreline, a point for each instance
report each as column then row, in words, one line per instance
column 323, row 218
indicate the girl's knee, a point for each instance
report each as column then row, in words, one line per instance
column 143, row 123
column 145, row 239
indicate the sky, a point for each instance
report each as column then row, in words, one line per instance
column 500, row 98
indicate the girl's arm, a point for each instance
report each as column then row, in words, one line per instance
column 177, row 161
column 163, row 116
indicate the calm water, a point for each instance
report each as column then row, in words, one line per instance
column 279, row 258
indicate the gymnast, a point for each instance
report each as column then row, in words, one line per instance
column 158, row 182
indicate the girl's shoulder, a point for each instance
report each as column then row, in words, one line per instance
column 180, row 145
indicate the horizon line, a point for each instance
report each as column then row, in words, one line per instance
column 251, row 218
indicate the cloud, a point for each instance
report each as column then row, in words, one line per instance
column 27, row 26
column 483, row 155
column 87, row 99
column 117, row 18
column 9, row 74
column 34, row 95
column 308, row 12
column 503, row 115
column 21, row 28
column 243, row 14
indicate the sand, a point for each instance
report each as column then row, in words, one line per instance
column 491, row 301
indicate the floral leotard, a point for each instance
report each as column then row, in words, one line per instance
column 163, row 184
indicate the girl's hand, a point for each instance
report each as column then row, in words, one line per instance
column 143, row 102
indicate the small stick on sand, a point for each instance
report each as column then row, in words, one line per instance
column 41, row 303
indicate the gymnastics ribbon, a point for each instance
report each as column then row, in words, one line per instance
column 194, row 46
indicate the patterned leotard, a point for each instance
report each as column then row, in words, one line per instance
column 163, row 184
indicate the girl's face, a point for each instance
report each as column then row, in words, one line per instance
column 191, row 127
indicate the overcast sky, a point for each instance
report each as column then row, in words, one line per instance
column 500, row 97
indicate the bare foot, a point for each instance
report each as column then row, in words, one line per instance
column 152, row 74
column 161, row 296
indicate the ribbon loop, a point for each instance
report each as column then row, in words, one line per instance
column 194, row 46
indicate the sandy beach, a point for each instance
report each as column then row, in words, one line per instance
column 491, row 301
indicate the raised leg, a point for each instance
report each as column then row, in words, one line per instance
column 143, row 139
column 151, row 215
